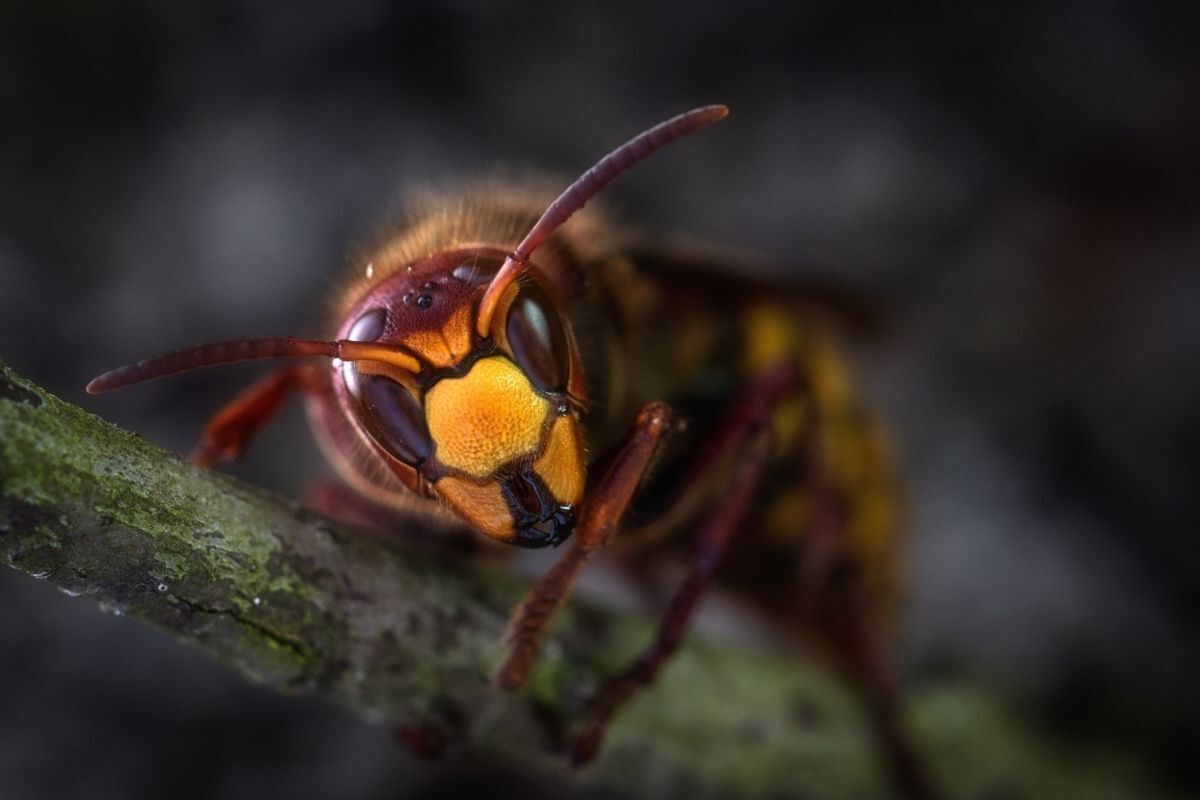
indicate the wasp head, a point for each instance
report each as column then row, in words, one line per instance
column 460, row 371
column 485, row 422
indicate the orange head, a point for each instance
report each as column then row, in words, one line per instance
column 461, row 373
column 486, row 423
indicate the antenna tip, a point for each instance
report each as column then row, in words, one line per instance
column 705, row 115
column 702, row 117
column 94, row 386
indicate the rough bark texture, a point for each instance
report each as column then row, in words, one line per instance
column 301, row 604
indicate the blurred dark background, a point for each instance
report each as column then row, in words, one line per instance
column 1018, row 184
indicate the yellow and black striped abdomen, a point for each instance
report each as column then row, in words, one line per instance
column 831, row 449
column 699, row 351
column 697, row 341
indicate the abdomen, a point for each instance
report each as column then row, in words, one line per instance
column 698, row 347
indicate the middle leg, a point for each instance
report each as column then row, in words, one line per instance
column 612, row 495
column 597, row 527
column 728, row 518
column 748, row 437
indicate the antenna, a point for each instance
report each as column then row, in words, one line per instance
column 209, row 355
column 585, row 187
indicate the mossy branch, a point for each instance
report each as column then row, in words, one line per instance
column 304, row 605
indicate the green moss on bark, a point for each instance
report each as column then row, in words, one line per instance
column 295, row 602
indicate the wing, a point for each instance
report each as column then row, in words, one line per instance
column 741, row 274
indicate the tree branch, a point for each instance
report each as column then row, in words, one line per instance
column 301, row 604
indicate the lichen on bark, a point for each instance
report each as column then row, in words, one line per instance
column 305, row 605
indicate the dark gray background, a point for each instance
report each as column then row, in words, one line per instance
column 1020, row 185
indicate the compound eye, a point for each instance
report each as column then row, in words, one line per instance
column 393, row 417
column 537, row 340
column 479, row 272
column 368, row 327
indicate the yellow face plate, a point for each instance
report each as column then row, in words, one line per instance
column 561, row 464
column 486, row 418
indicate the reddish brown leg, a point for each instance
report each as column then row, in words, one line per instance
column 745, row 434
column 717, row 456
column 725, row 522
column 882, row 697
column 855, row 634
column 335, row 499
column 597, row 526
column 751, row 413
column 445, row 534
column 229, row 432
column 844, row 615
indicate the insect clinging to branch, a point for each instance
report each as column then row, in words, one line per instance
column 524, row 374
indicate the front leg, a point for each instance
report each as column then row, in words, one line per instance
column 724, row 524
column 748, row 437
column 597, row 526
column 227, row 434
